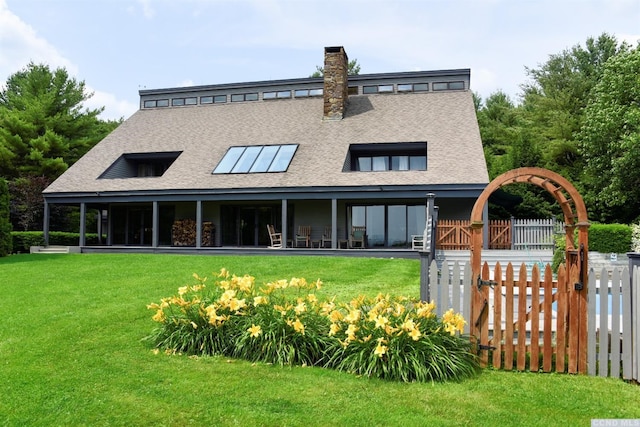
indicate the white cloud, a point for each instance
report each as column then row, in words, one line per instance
column 20, row 44
column 114, row 109
column 632, row 39
column 148, row 11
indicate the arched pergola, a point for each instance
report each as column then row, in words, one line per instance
column 575, row 216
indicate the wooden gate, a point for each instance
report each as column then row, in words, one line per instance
column 518, row 328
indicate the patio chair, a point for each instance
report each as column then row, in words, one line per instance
column 417, row 242
column 326, row 237
column 357, row 236
column 304, row 235
column 275, row 237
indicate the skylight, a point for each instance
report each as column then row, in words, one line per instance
column 257, row 159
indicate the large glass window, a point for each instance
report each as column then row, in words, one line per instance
column 389, row 225
column 256, row 159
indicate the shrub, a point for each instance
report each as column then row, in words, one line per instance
column 284, row 323
column 5, row 224
column 608, row 238
column 23, row 240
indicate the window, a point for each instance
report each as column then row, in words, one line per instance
column 239, row 97
column 415, row 87
column 218, row 99
column 257, row 159
column 377, row 89
column 303, row 93
column 385, row 157
column 156, row 103
column 140, row 165
column 389, row 225
column 277, row 95
column 448, row 86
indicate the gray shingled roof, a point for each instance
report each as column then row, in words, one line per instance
column 445, row 120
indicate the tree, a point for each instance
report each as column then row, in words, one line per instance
column 43, row 126
column 609, row 141
column 5, row 224
column 27, row 202
column 44, row 129
column 353, row 69
column 555, row 98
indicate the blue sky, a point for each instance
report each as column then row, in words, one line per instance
column 120, row 46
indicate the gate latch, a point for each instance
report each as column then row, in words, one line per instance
column 490, row 283
column 485, row 347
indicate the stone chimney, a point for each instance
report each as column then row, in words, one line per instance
column 336, row 86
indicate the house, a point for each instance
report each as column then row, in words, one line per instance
column 210, row 166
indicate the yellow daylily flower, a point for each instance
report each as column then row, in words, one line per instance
column 380, row 350
column 335, row 316
column 408, row 325
column 236, row 304
column 351, row 332
column 259, row 300
column 300, row 308
column 254, row 330
column 334, row 329
column 353, row 316
column 159, row 316
column 415, row 334
column 298, row 326
column 381, row 322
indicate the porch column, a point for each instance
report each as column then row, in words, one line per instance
column 198, row 224
column 83, row 223
column 334, row 223
column 155, row 224
column 284, row 223
column 109, row 227
column 45, row 225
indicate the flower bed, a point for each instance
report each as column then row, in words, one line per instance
column 284, row 323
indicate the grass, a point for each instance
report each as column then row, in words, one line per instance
column 71, row 354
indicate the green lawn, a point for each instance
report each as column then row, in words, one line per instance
column 71, row 354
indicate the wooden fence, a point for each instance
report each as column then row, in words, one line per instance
column 534, row 332
column 521, row 234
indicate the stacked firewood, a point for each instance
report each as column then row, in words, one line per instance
column 183, row 233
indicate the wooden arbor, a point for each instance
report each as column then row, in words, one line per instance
column 575, row 216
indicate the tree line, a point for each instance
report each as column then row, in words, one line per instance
column 578, row 114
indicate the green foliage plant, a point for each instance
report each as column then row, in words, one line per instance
column 610, row 238
column 5, row 225
column 284, row 323
column 232, row 317
column 399, row 339
column 23, row 240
